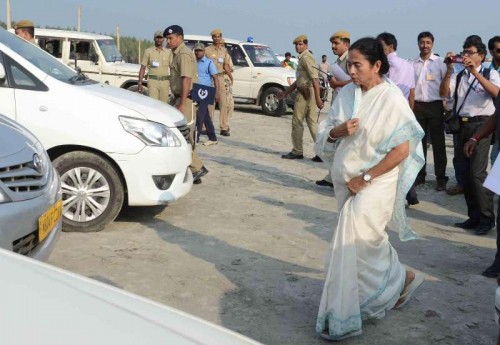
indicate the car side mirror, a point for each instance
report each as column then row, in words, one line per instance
column 2, row 73
column 94, row 58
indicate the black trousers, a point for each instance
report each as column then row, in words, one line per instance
column 430, row 117
column 479, row 199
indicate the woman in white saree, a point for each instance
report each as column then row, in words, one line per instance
column 373, row 142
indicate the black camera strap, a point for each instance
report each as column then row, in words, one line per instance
column 455, row 95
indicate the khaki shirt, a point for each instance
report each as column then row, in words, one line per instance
column 342, row 62
column 306, row 70
column 219, row 56
column 157, row 61
column 183, row 65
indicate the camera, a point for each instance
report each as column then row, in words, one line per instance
column 454, row 59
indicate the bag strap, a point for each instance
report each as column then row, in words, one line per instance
column 455, row 95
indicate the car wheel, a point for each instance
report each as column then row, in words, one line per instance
column 134, row 88
column 270, row 103
column 92, row 191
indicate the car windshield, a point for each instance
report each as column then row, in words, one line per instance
column 110, row 50
column 261, row 56
column 40, row 58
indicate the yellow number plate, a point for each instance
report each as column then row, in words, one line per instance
column 48, row 220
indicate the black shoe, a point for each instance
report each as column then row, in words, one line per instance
column 484, row 229
column 291, row 155
column 491, row 272
column 198, row 181
column 441, row 186
column 324, row 183
column 468, row 224
column 200, row 173
column 317, row 159
column 412, row 200
column 225, row 132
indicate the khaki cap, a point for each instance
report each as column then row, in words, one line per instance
column 24, row 24
column 199, row 46
column 215, row 32
column 300, row 38
column 340, row 34
column 158, row 33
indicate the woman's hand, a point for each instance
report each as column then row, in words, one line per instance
column 345, row 129
column 356, row 184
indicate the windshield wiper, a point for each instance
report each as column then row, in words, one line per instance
column 79, row 76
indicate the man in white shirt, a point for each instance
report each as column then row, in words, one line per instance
column 429, row 72
column 401, row 72
column 472, row 91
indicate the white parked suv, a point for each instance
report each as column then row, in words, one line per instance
column 258, row 75
column 109, row 145
column 96, row 55
column 30, row 194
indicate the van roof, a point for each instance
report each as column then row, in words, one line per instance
column 227, row 40
column 70, row 34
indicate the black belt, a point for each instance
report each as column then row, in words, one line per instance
column 422, row 102
column 159, row 78
column 478, row 118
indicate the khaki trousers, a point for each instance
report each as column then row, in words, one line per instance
column 303, row 109
column 226, row 104
column 189, row 114
column 159, row 89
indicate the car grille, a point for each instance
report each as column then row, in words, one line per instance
column 25, row 245
column 22, row 178
column 184, row 129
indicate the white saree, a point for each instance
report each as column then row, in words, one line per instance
column 364, row 276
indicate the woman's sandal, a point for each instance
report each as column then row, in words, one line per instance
column 410, row 289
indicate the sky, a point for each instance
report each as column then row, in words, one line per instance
column 276, row 22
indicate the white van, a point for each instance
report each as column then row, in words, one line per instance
column 96, row 55
column 109, row 145
column 258, row 75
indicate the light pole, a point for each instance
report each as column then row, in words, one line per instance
column 9, row 20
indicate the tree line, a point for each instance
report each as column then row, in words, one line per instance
column 129, row 45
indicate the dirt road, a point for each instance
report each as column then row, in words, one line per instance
column 246, row 248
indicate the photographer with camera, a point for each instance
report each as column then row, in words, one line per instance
column 472, row 91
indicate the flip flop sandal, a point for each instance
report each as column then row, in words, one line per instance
column 410, row 289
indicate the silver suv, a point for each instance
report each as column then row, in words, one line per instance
column 30, row 194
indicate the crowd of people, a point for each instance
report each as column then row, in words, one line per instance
column 384, row 112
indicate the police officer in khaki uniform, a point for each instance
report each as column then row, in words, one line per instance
column 229, row 88
column 157, row 59
column 307, row 98
column 183, row 72
column 219, row 55
column 25, row 29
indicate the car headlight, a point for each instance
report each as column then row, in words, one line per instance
column 151, row 133
column 3, row 197
column 290, row 80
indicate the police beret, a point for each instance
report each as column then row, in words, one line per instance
column 173, row 29
column 199, row 46
column 24, row 24
column 215, row 32
column 158, row 33
column 300, row 38
column 340, row 34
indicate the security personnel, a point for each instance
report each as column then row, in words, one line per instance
column 229, row 88
column 157, row 59
column 183, row 72
column 25, row 29
column 307, row 98
column 219, row 55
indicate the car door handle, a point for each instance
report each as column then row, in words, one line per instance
column 43, row 108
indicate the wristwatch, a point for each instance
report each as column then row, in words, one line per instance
column 367, row 178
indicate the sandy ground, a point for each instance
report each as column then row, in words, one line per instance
column 246, row 249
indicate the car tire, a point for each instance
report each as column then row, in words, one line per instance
column 270, row 104
column 92, row 191
column 135, row 88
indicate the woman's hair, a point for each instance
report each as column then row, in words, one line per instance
column 373, row 51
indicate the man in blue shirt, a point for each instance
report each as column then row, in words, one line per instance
column 207, row 75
